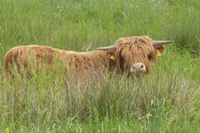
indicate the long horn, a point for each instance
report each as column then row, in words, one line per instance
column 110, row 48
column 162, row 42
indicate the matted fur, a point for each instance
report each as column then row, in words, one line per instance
column 85, row 64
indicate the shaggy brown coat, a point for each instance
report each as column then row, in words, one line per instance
column 83, row 64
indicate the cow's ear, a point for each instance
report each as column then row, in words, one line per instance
column 159, row 50
column 111, row 48
column 159, row 45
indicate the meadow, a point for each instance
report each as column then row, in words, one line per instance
column 166, row 100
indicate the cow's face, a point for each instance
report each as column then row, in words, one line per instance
column 135, row 55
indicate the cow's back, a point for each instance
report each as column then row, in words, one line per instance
column 76, row 65
column 21, row 56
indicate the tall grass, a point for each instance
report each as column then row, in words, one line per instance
column 79, row 24
column 47, row 100
column 166, row 100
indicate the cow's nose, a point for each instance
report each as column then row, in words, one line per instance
column 138, row 68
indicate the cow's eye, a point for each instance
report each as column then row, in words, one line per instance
column 150, row 57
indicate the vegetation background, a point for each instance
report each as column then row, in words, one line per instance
column 166, row 100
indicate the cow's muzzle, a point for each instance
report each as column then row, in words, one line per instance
column 138, row 69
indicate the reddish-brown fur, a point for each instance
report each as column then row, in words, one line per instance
column 84, row 64
column 136, row 49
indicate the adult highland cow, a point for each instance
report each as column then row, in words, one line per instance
column 131, row 55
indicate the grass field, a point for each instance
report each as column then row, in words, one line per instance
column 166, row 100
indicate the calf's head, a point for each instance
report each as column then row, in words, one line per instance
column 135, row 54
